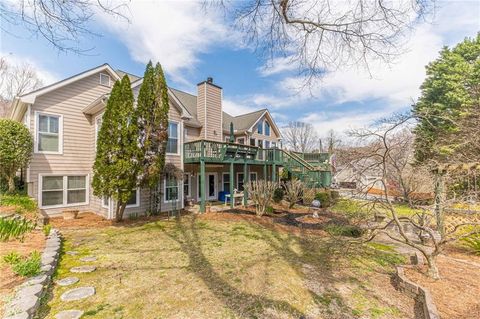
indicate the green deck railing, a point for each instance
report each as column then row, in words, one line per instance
column 309, row 167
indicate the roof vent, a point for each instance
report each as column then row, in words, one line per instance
column 209, row 80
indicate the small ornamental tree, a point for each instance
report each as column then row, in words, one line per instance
column 261, row 193
column 16, row 145
column 293, row 192
column 152, row 115
column 116, row 167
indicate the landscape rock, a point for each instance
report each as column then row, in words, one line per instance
column 67, row 281
column 71, row 252
column 39, row 279
column 21, row 315
column 69, row 314
column 26, row 304
column 78, row 293
column 88, row 259
column 33, row 290
column 83, row 269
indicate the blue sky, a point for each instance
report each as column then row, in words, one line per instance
column 192, row 44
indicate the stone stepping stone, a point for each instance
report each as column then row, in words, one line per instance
column 78, row 293
column 82, row 269
column 69, row 314
column 72, row 252
column 67, row 281
column 88, row 259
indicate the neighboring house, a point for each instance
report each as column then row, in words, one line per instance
column 65, row 117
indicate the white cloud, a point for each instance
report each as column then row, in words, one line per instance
column 45, row 75
column 171, row 32
column 277, row 66
column 235, row 108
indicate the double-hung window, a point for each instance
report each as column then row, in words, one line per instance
column 186, row 185
column 64, row 191
column 49, row 133
column 172, row 144
column 226, row 182
column 134, row 200
column 171, row 188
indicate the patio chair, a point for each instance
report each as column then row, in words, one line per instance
column 236, row 194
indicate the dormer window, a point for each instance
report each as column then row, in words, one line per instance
column 105, row 79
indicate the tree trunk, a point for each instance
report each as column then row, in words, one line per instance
column 432, row 267
column 11, row 184
column 119, row 211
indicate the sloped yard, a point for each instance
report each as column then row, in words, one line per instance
column 197, row 267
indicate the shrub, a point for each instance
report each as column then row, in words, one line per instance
column 325, row 198
column 46, row 229
column 473, row 243
column 278, row 195
column 11, row 258
column 14, row 227
column 16, row 146
column 343, row 230
column 18, row 200
column 293, row 192
column 28, row 267
column 335, row 195
column 261, row 192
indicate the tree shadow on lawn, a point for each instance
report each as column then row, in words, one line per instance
column 249, row 305
column 241, row 303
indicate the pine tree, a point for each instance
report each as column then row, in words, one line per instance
column 152, row 113
column 449, row 107
column 116, row 164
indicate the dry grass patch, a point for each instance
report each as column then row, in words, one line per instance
column 197, row 268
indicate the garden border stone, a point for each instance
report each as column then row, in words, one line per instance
column 417, row 292
column 26, row 300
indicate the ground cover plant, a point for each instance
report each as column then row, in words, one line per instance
column 204, row 267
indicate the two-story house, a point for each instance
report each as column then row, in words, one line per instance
column 216, row 151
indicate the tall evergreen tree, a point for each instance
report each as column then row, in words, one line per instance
column 448, row 110
column 116, row 164
column 152, row 113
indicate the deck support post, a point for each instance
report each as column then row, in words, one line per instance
column 232, row 199
column 265, row 177
column 202, row 186
column 274, row 172
column 246, row 180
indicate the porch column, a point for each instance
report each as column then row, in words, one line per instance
column 246, row 179
column 202, row 186
column 274, row 172
column 231, row 185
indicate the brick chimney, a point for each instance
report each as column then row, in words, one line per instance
column 209, row 110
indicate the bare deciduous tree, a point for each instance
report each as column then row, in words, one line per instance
column 326, row 35
column 62, row 23
column 261, row 193
column 300, row 136
column 293, row 191
column 15, row 79
column 383, row 153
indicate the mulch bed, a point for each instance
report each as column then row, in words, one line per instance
column 34, row 240
column 456, row 294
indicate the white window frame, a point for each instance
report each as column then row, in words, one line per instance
column 165, row 191
column 109, row 79
column 178, row 138
column 137, row 197
column 189, row 179
column 103, row 202
column 65, row 190
column 260, row 126
column 37, row 132
column 241, row 139
column 253, row 173
column 238, row 181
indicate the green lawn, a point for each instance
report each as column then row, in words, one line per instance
column 198, row 268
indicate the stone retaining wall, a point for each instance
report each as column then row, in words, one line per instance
column 26, row 300
column 417, row 292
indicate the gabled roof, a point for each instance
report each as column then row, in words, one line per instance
column 19, row 102
column 131, row 77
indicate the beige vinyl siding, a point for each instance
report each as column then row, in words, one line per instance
column 209, row 112
column 78, row 135
column 193, row 134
